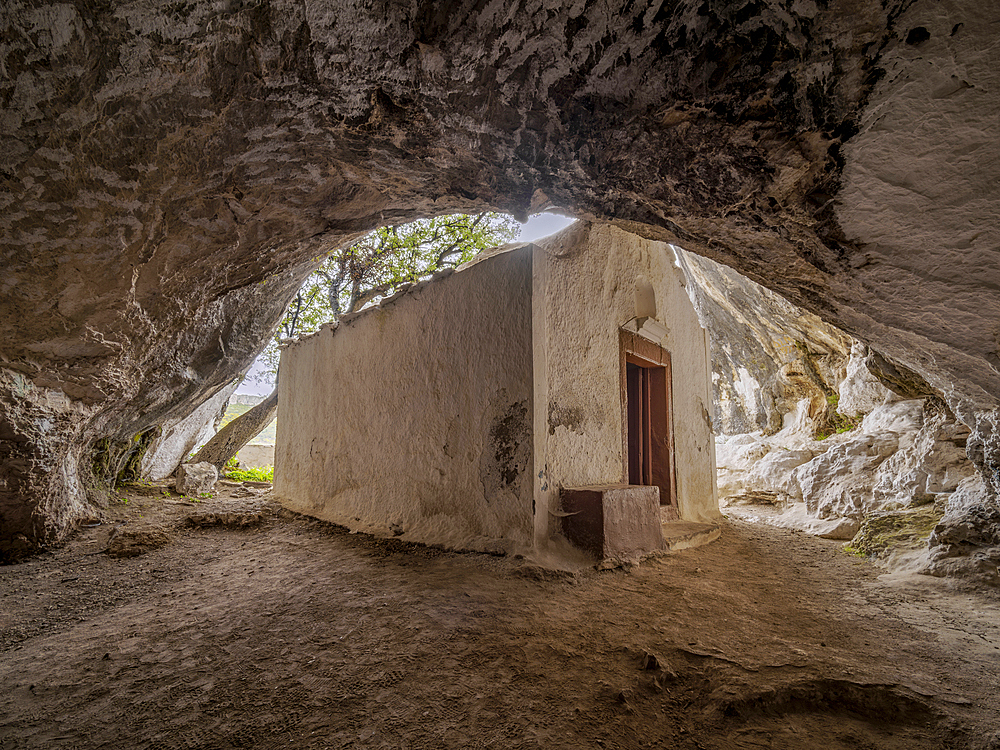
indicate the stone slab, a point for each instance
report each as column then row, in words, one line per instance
column 613, row 521
column 678, row 535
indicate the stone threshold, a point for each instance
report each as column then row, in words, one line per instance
column 679, row 535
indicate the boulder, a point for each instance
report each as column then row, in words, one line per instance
column 193, row 479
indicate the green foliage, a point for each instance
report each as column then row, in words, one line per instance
column 131, row 463
column 836, row 423
column 252, row 474
column 117, row 462
column 379, row 263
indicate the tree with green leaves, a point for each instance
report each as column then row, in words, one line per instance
column 373, row 267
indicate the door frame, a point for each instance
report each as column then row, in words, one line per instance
column 638, row 350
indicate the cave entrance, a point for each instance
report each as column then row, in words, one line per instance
column 648, row 426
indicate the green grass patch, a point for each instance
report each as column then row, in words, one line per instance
column 253, row 474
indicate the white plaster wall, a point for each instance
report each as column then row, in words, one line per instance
column 255, row 456
column 415, row 416
column 584, row 291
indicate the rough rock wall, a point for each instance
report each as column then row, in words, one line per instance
column 178, row 437
column 170, row 171
column 782, row 378
column 767, row 354
column 904, row 455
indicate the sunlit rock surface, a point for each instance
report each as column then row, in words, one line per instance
column 768, row 355
column 171, row 171
column 891, row 454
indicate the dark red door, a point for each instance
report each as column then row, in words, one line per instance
column 648, row 421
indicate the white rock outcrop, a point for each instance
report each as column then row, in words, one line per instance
column 860, row 391
column 929, row 464
column 966, row 543
column 901, row 455
column 178, row 437
column 838, row 482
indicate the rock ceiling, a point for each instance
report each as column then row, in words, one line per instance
column 171, row 170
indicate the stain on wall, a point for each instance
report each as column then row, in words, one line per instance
column 570, row 417
column 508, row 450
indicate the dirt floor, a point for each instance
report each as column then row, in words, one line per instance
column 251, row 627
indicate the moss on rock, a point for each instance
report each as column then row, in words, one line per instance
column 889, row 531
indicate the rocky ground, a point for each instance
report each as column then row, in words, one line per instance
column 239, row 625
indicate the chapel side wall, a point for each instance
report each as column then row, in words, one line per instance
column 584, row 291
column 417, row 415
column 690, row 351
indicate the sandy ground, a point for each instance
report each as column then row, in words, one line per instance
column 295, row 634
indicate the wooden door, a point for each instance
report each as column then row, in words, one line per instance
column 648, row 433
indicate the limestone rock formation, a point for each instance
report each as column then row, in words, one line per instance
column 902, row 455
column 172, row 171
column 849, row 450
column 967, row 541
column 782, row 377
column 194, row 479
column 860, row 391
column 767, row 354
column 178, row 437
